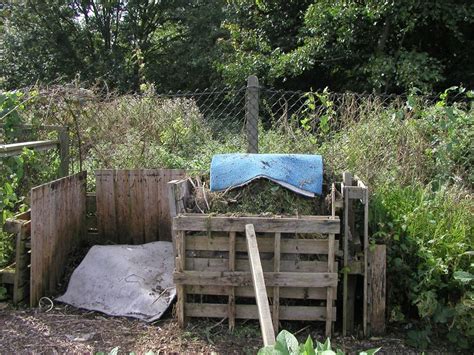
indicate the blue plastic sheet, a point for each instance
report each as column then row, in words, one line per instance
column 302, row 173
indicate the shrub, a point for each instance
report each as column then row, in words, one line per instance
column 430, row 243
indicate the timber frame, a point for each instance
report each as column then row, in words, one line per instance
column 297, row 255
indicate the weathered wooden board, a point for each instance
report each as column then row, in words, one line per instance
column 216, row 310
column 133, row 205
column 293, row 246
column 376, row 283
column 241, row 278
column 303, row 224
column 263, row 307
column 58, row 211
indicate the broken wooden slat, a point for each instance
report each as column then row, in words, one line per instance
column 261, row 297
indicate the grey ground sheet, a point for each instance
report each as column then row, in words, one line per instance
column 124, row 280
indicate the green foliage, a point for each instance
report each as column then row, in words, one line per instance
column 377, row 45
column 19, row 173
column 430, row 235
column 122, row 43
column 286, row 344
column 382, row 46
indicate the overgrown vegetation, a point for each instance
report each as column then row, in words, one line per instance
column 416, row 156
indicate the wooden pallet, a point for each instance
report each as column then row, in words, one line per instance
column 18, row 274
column 212, row 260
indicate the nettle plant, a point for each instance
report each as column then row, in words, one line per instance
column 287, row 344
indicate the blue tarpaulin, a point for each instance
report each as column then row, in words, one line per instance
column 302, row 173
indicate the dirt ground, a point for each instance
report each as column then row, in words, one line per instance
column 66, row 329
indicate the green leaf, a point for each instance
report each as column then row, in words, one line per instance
column 463, row 276
column 308, row 347
column 288, row 340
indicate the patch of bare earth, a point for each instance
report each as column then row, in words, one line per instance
column 66, row 329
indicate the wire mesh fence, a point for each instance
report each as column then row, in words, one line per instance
column 184, row 129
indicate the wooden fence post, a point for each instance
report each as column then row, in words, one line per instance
column 251, row 113
column 63, row 134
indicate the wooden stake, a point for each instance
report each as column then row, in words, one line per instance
column 264, row 314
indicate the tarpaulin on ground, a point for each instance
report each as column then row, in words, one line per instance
column 124, row 280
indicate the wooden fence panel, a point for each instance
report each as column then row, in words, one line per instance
column 58, row 211
column 133, row 205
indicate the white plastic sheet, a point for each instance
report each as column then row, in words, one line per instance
column 124, row 280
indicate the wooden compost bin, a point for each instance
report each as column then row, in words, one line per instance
column 213, row 276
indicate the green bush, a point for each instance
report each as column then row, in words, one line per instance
column 429, row 235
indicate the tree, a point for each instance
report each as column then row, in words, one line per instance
column 386, row 46
column 123, row 43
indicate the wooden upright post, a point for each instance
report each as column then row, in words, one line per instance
column 251, row 113
column 63, row 133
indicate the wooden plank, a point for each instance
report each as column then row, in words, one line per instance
column 193, row 222
column 347, row 180
column 239, row 278
column 21, row 273
column 366, row 261
column 355, row 192
column 165, row 221
column 302, row 293
column 377, row 285
column 8, row 150
column 122, row 207
column 330, row 290
column 58, row 212
column 180, row 289
column 288, row 246
column 91, row 202
column 216, row 310
column 263, row 307
column 7, row 275
column 276, row 290
column 221, row 264
column 231, row 301
column 105, row 200
column 63, row 137
column 151, row 209
column 136, row 193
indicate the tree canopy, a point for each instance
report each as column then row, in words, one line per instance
column 382, row 46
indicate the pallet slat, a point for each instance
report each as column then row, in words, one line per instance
column 216, row 310
column 196, row 222
column 239, row 278
column 295, row 246
column 303, row 293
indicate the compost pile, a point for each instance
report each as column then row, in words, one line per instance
column 259, row 197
